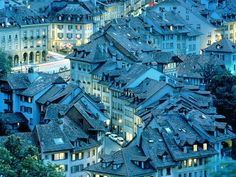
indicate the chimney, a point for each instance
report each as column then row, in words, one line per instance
column 139, row 133
column 60, row 119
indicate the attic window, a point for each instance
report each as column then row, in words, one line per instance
column 58, row 141
column 116, row 166
column 204, row 146
column 195, row 147
column 218, row 46
column 171, row 28
column 60, row 18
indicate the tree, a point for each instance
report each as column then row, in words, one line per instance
column 225, row 168
column 3, row 130
column 222, row 85
column 19, row 160
column 5, row 63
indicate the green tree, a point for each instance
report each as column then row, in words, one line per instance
column 19, row 160
column 225, row 168
column 3, row 130
column 5, row 63
column 222, row 85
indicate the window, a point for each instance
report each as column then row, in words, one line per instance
column 94, row 152
column 168, row 171
column 60, row 27
column 29, row 100
column 60, row 35
column 185, row 163
column 80, row 155
column 78, row 36
column 195, row 162
column 62, row 168
column 195, row 147
column 59, row 156
column 69, row 35
column 77, row 168
column 73, row 156
column 190, row 162
column 205, row 144
column 70, row 27
column 78, row 27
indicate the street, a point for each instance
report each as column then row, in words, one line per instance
column 55, row 63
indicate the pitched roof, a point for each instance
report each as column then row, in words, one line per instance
column 13, row 118
column 224, row 45
column 42, row 82
column 48, row 134
column 125, row 158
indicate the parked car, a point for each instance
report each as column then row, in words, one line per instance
column 107, row 133
column 113, row 137
column 120, row 140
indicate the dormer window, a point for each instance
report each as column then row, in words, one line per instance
column 116, row 166
column 60, row 18
column 195, row 147
column 106, row 164
column 204, row 146
column 218, row 46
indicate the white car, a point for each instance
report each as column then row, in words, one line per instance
column 113, row 137
column 107, row 133
column 120, row 140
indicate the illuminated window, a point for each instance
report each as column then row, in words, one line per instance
column 59, row 156
column 195, row 162
column 73, row 156
column 204, row 146
column 190, row 161
column 185, row 163
column 195, row 147
column 81, row 155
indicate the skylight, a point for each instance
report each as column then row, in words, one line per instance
column 168, row 130
column 58, row 141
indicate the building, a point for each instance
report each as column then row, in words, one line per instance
column 23, row 35
column 191, row 13
column 225, row 51
column 19, row 92
column 175, row 141
column 71, row 24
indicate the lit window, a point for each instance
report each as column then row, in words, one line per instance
column 81, row 155
column 195, row 162
column 195, row 147
column 185, row 163
column 73, row 157
column 204, row 146
column 190, row 161
column 59, row 156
